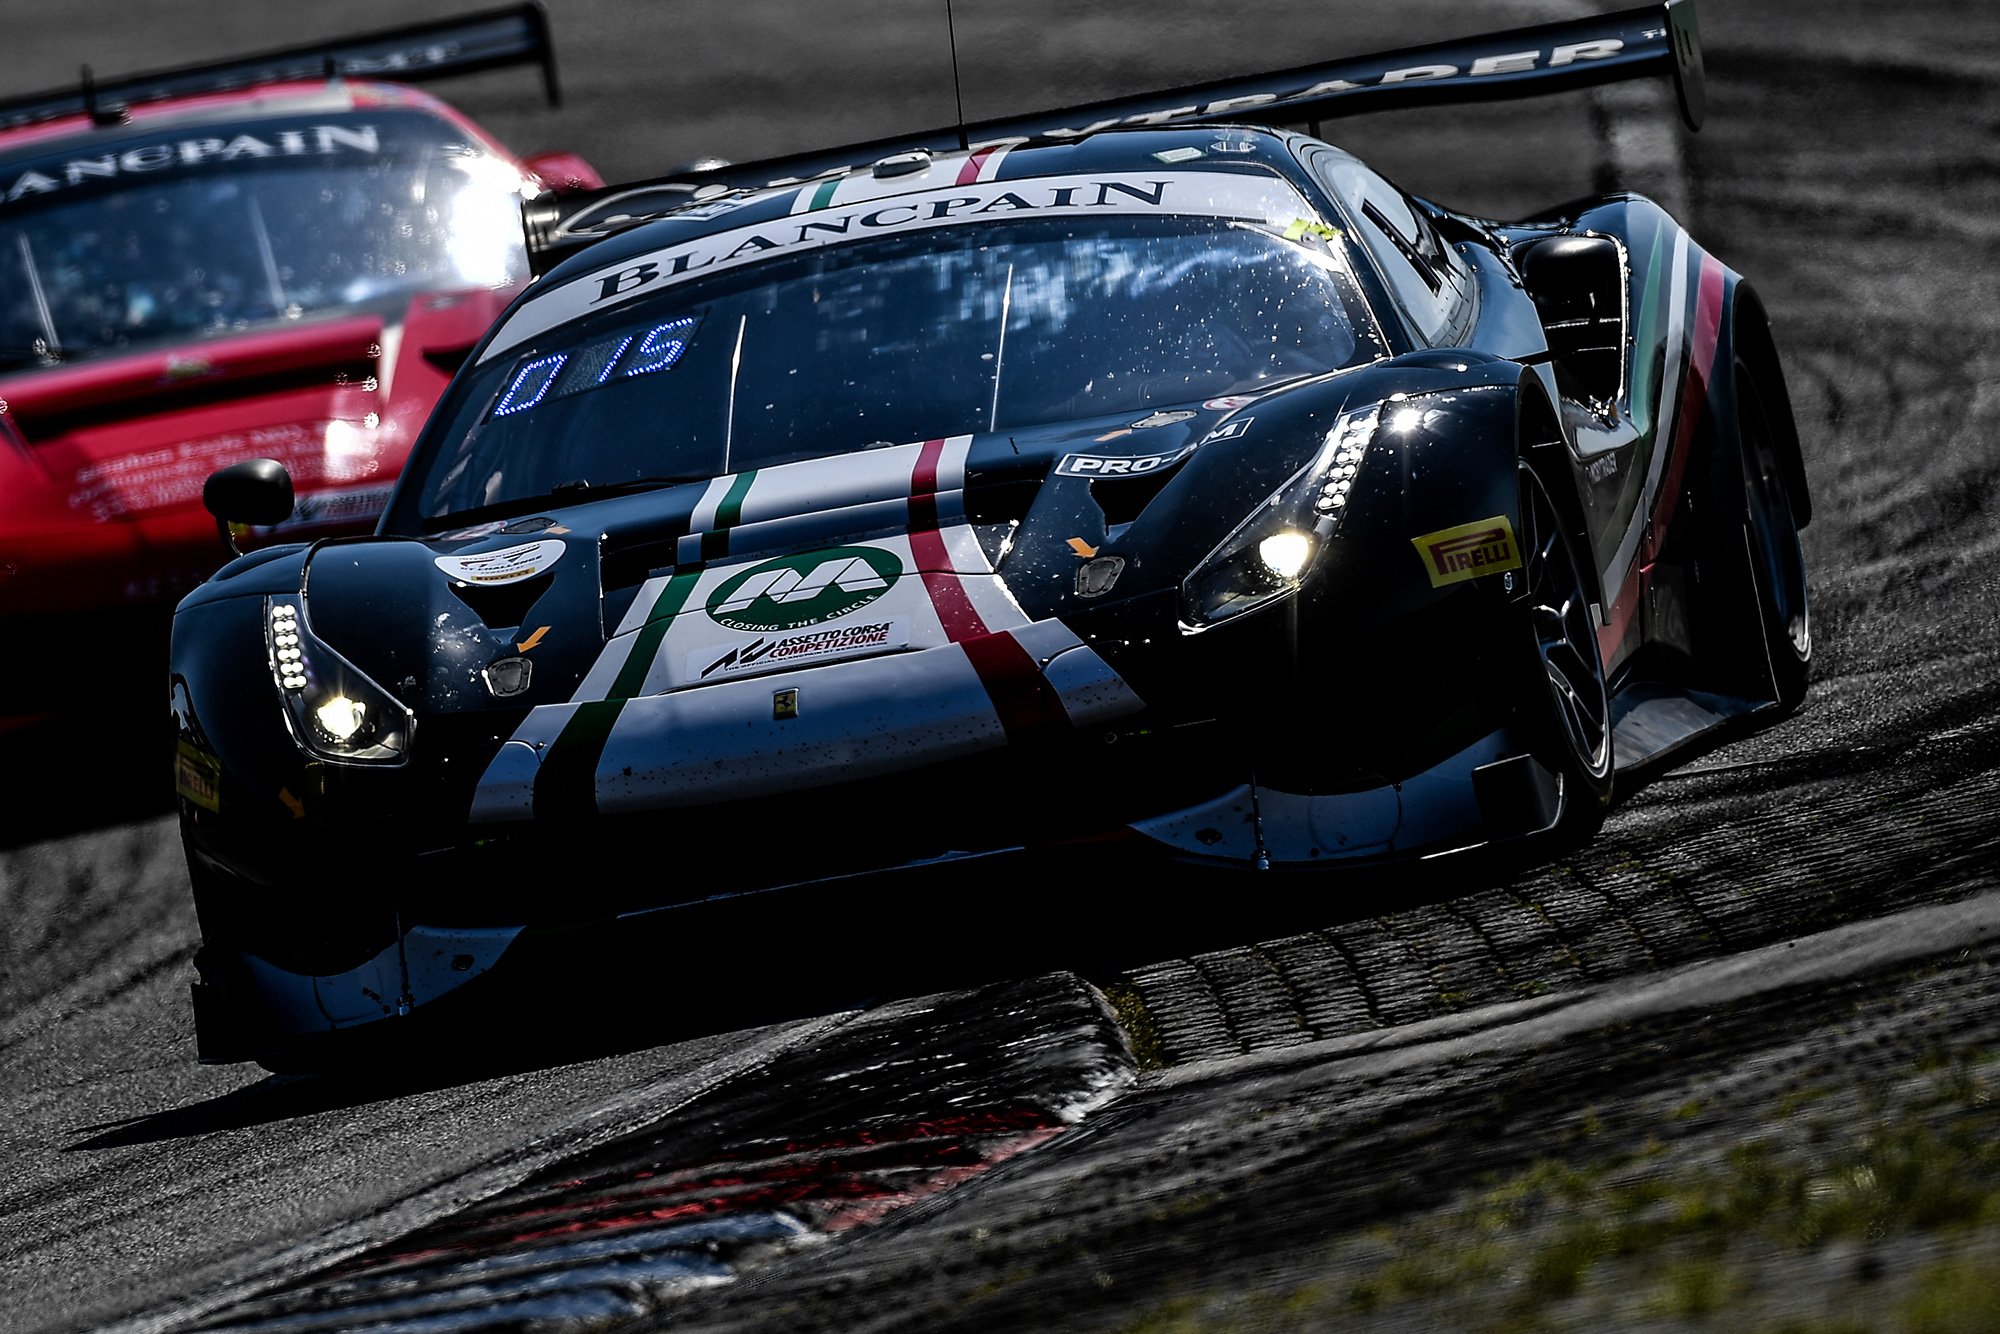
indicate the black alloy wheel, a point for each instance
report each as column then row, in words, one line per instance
column 1569, row 718
column 1771, row 531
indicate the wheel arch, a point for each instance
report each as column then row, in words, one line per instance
column 1542, row 446
column 1757, row 352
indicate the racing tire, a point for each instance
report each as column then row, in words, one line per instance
column 1565, row 705
column 1771, row 542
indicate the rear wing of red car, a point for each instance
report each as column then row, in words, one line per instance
column 517, row 35
column 1656, row 40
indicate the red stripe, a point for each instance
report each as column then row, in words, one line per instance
column 923, row 480
column 1707, row 330
column 1021, row 695
column 961, row 619
column 1694, row 392
column 1014, row 682
column 969, row 173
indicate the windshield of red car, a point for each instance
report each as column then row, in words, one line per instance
column 141, row 240
column 975, row 328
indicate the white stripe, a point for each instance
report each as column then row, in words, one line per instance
column 1091, row 692
column 603, row 673
column 711, row 501
column 1663, row 423
column 951, row 463
column 812, row 485
column 1677, row 335
column 856, row 720
column 991, row 167
column 641, row 609
column 961, row 546
column 838, row 481
column 1045, row 639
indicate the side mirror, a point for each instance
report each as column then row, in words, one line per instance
column 563, row 173
column 255, row 491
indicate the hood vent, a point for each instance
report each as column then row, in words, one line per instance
column 503, row 606
column 1123, row 498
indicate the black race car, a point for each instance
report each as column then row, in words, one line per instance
column 1135, row 480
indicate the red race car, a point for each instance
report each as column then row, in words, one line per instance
column 275, row 257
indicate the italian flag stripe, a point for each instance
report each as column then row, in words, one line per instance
column 1701, row 364
column 1021, row 695
column 823, row 196
column 969, row 173
column 730, row 512
column 646, row 642
column 566, row 782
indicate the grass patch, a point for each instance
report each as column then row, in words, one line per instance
column 1133, row 1017
column 1661, row 1235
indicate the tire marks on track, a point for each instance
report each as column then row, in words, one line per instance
column 833, row 1131
column 1667, row 882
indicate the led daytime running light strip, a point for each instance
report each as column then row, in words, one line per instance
column 287, row 657
column 1347, row 441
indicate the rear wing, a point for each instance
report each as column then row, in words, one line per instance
column 1659, row 39
column 518, row 35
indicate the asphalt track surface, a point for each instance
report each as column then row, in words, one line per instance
column 1727, row 1064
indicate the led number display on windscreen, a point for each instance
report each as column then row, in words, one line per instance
column 561, row 374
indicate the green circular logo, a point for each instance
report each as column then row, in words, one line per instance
column 792, row 592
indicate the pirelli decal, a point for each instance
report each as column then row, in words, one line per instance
column 1468, row 551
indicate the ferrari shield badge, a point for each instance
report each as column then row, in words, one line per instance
column 1453, row 555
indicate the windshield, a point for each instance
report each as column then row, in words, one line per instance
column 129, row 244
column 970, row 329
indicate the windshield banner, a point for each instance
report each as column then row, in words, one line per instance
column 118, row 166
column 1257, row 198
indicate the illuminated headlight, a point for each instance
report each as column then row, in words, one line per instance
column 1285, row 554
column 1273, row 550
column 334, row 710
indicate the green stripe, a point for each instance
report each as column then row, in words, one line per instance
column 730, row 512
column 824, row 195
column 1642, row 344
column 566, row 783
column 646, row 642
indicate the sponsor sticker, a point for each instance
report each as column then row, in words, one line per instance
column 1468, row 551
column 198, row 776
column 809, row 588
column 771, row 652
column 1229, row 402
column 506, row 566
column 1604, row 467
column 1103, row 465
column 1162, row 192
column 1304, row 227
column 354, row 505
column 1229, row 430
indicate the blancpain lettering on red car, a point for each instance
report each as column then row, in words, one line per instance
column 146, row 159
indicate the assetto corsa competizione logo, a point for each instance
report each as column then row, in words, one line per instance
column 809, row 588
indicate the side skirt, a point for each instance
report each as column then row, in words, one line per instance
column 1654, row 724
